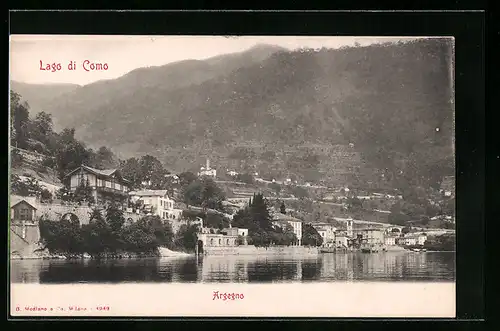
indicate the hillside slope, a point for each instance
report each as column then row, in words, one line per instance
column 393, row 102
column 83, row 103
column 39, row 96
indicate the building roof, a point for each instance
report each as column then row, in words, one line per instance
column 368, row 229
column 98, row 172
column 26, row 202
column 150, row 193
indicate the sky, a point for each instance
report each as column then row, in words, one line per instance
column 29, row 54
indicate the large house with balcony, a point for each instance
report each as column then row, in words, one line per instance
column 157, row 202
column 108, row 186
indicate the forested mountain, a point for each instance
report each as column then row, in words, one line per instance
column 39, row 96
column 393, row 102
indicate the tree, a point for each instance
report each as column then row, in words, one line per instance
column 205, row 193
column 310, row 236
column 104, row 158
column 192, row 193
column 186, row 178
column 214, row 220
column 64, row 194
column 83, row 192
column 16, row 158
column 289, row 236
column 131, row 170
column 354, row 204
column 71, row 154
column 46, row 196
column 96, row 236
column 406, row 230
column 162, row 231
column 41, row 128
column 62, row 237
column 283, row 208
column 151, row 170
column 260, row 212
column 19, row 120
column 27, row 188
column 186, row 238
column 114, row 218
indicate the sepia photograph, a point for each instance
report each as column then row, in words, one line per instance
column 241, row 175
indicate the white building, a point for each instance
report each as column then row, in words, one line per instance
column 327, row 232
column 341, row 241
column 242, row 232
column 158, row 202
column 407, row 241
column 390, row 240
column 207, row 171
column 173, row 177
column 421, row 239
column 232, row 173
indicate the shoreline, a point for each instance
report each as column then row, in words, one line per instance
column 162, row 253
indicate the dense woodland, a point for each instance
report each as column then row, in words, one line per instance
column 108, row 235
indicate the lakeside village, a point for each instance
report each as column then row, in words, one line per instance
column 97, row 213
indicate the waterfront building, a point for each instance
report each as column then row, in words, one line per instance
column 370, row 236
column 327, row 232
column 108, row 186
column 23, row 225
column 208, row 238
column 23, row 212
column 421, row 239
column 341, row 241
column 390, row 239
column 243, row 233
column 407, row 241
column 349, row 224
column 157, row 202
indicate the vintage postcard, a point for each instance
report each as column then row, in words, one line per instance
column 214, row 176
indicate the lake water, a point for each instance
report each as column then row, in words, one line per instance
column 389, row 266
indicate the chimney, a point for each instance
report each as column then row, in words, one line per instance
column 208, row 164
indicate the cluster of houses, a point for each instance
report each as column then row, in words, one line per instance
column 109, row 186
column 378, row 237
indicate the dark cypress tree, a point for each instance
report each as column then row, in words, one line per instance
column 260, row 212
column 283, row 208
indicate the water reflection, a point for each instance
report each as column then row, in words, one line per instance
column 407, row 266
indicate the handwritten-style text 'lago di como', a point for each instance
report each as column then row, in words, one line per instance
column 87, row 65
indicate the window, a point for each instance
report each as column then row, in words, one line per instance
column 211, row 241
column 99, row 182
column 24, row 214
column 220, row 241
column 227, row 242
